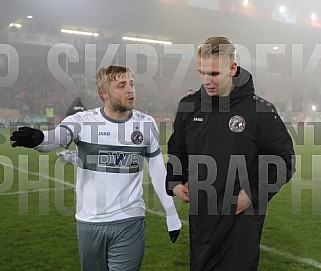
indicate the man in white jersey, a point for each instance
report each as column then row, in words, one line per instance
column 112, row 143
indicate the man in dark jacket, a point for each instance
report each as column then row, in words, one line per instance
column 75, row 107
column 235, row 153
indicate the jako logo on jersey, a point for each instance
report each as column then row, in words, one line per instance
column 118, row 159
column 237, row 124
column 197, row 119
column 104, row 133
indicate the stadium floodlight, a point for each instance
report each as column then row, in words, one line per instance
column 245, row 3
column 282, row 9
column 313, row 16
column 77, row 32
column 15, row 25
column 275, row 48
column 148, row 40
column 29, row 16
column 314, row 107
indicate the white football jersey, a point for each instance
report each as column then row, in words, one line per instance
column 111, row 160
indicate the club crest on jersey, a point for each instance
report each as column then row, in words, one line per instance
column 237, row 124
column 137, row 137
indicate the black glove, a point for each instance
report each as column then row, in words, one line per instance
column 27, row 137
column 173, row 235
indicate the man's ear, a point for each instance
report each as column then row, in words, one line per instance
column 233, row 69
column 103, row 95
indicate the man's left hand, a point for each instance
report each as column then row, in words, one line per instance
column 243, row 202
column 173, row 235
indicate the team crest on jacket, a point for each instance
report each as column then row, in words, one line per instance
column 237, row 124
column 137, row 137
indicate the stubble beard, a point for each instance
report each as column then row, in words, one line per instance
column 119, row 106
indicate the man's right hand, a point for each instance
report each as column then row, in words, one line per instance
column 27, row 137
column 181, row 191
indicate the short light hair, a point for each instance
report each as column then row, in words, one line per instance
column 104, row 76
column 217, row 46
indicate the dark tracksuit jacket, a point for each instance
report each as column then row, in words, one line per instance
column 75, row 107
column 221, row 145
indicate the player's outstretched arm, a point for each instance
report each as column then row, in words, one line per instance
column 42, row 141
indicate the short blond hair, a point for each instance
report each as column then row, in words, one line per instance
column 104, row 76
column 217, row 46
